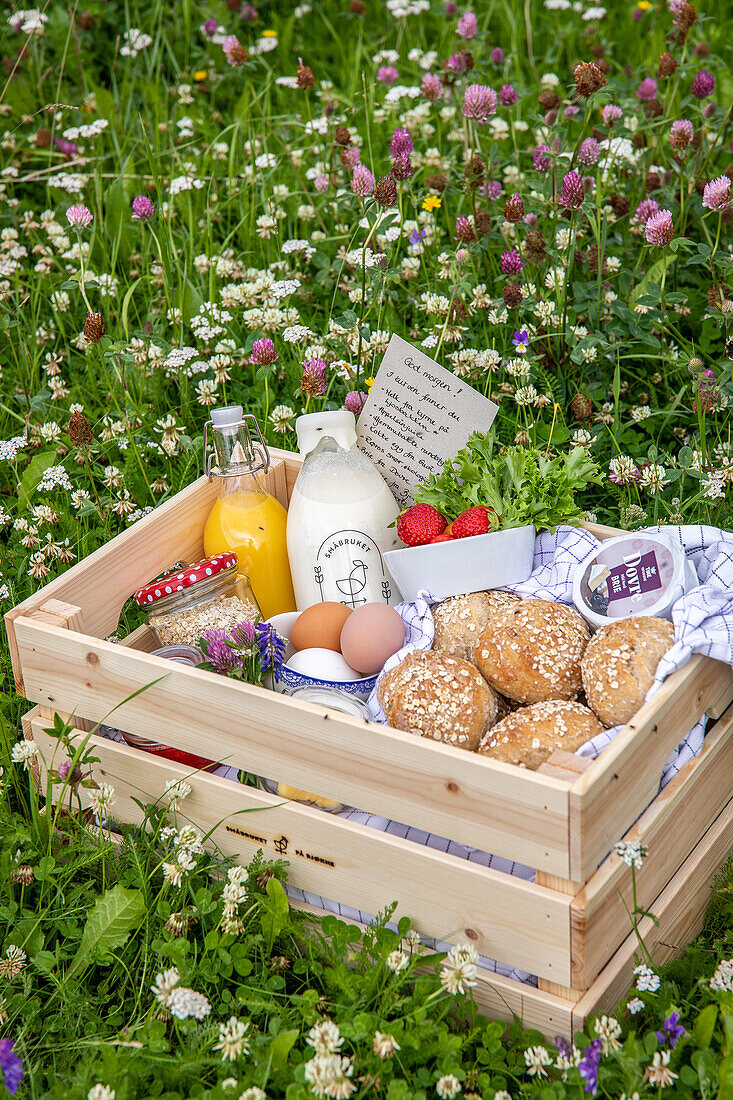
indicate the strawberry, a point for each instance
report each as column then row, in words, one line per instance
column 420, row 524
column 474, row 521
column 442, row 538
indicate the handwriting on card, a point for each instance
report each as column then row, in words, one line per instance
column 416, row 416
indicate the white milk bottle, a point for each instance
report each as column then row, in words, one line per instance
column 338, row 519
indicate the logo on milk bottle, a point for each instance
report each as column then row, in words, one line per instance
column 349, row 569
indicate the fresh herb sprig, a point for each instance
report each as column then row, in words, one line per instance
column 521, row 484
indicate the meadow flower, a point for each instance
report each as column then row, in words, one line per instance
column 702, row 85
column 396, row 961
column 448, row 1086
column 79, row 217
column 270, row 645
column 233, row 1039
column 385, row 191
column 362, row 181
column 142, row 208
column 511, row 263
column 102, row 798
column 187, row 1004
column 479, row 102
column 681, row 134
column 432, row 202
column 467, row 26
column 234, row 51
column 659, row 228
column 608, row 1030
column 572, row 193
column 716, row 195
column 325, row 1037
column 611, row 114
column 658, row 1073
column 355, row 401
column 313, row 378
column 24, row 752
column 541, row 162
column 631, row 852
column 507, row 95
column 13, row 963
column 497, row 55
column 280, row 418
column 329, row 1075
column 672, row 1030
column 263, row 352
column 722, row 979
column 589, row 152
column 101, row 1092
column 588, row 1065
column 589, row 78
column 635, row 1005
column 176, row 790
column 387, row 74
column 135, row 41
column 253, row 1093
column 431, row 87
column 647, row 90
column 384, row 1045
column 11, row 1066
column 535, row 1059
column 653, row 477
column 646, row 980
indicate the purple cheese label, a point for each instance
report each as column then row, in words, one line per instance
column 628, row 578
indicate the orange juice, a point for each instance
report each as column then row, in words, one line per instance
column 252, row 524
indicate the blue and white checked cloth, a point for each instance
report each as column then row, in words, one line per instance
column 703, row 623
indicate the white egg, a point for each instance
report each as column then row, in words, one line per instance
column 324, row 664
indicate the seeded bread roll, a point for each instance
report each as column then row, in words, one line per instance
column 460, row 620
column 619, row 665
column 528, row 736
column 531, row 651
column 440, row 697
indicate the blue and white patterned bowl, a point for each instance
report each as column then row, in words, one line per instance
column 286, row 680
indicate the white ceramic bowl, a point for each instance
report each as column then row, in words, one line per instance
column 286, row 680
column 473, row 564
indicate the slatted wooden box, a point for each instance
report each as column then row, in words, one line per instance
column 570, row 927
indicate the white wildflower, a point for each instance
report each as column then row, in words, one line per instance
column 184, row 1003
column 233, row 1039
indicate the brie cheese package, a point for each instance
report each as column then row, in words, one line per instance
column 636, row 574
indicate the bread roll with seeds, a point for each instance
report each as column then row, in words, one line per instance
column 531, row 651
column 619, row 665
column 528, row 736
column 460, row 620
column 440, row 697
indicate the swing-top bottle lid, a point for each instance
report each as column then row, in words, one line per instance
column 339, row 425
column 227, row 416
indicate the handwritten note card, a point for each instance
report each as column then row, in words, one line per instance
column 416, row 416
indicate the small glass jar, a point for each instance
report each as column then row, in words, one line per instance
column 335, row 700
column 211, row 593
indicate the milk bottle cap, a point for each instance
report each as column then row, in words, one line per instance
column 339, row 425
column 641, row 573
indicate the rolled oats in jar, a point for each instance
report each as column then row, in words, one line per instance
column 209, row 593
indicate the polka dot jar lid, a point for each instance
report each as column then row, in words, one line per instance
column 192, row 574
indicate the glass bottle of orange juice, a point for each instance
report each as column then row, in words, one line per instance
column 246, row 518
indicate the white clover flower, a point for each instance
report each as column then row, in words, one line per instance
column 384, row 1045
column 659, row 1073
column 101, row 1092
column 448, row 1086
column 24, row 752
column 535, row 1059
column 177, row 790
column 722, row 979
column 608, row 1029
column 653, row 477
column 233, row 1039
column 253, row 1093
column 325, row 1037
column 396, row 961
column 165, row 983
column 102, row 798
column 184, row 1003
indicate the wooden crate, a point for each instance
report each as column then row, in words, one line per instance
column 569, row 927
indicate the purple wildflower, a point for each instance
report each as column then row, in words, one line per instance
column 321, row 183
column 659, row 228
column 313, row 379
column 355, row 401
column 644, row 211
column 142, row 208
column 248, row 14
column 402, row 167
column 11, row 1066
column 210, row 27
column 401, row 143
column 521, row 341
column 219, row 652
column 79, row 217
column 541, row 162
column 417, row 236
column 703, row 84
column 362, row 181
column 588, row 1065
column 263, row 352
column 511, row 263
column 572, row 194
column 479, row 102
column 647, row 90
column 673, row 1031
column 351, row 156
column 571, row 110
column 682, row 134
column 270, row 645
column 431, row 86
column 611, row 113
column 507, row 95
column 451, row 7
column 493, row 189
column 497, row 55
column 387, row 74
column 716, row 195
column 234, row 51
column 467, row 26
column 457, row 63
column 589, row 151
column 67, row 148
column 244, row 634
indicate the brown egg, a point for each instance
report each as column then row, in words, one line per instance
column 370, row 636
column 319, row 626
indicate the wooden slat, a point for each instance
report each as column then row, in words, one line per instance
column 504, row 917
column 623, row 780
column 680, row 912
column 669, row 829
column 474, row 800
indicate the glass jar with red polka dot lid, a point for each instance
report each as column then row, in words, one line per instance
column 208, row 594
